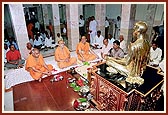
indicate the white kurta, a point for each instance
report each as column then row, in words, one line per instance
column 105, row 49
column 123, row 46
column 48, row 42
column 99, row 41
column 81, row 23
column 155, row 56
column 107, row 23
column 110, row 41
column 92, row 27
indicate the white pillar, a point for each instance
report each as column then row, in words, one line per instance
column 19, row 26
column 45, row 15
column 127, row 21
column 56, row 20
column 100, row 11
column 72, row 25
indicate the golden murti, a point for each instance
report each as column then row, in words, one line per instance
column 135, row 62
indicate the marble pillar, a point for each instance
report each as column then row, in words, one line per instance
column 19, row 26
column 72, row 25
column 45, row 15
column 100, row 11
column 150, row 17
column 127, row 21
column 56, row 20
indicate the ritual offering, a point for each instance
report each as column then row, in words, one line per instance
column 81, row 104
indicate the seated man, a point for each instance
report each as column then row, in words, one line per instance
column 14, row 58
column 110, row 39
column 98, row 44
column 84, row 52
column 62, row 56
column 105, row 49
column 36, row 66
column 38, row 41
column 123, row 44
column 58, row 38
column 28, row 50
column 116, row 51
column 48, row 41
column 155, row 55
column 138, row 54
column 6, row 49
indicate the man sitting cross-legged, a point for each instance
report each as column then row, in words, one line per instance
column 84, row 52
column 36, row 66
column 62, row 56
column 13, row 57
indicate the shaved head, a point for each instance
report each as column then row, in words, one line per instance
column 35, row 52
column 83, row 39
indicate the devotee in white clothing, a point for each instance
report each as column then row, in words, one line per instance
column 155, row 55
column 106, row 27
column 123, row 44
column 48, row 41
column 81, row 26
column 37, row 41
column 58, row 38
column 92, row 29
column 27, row 51
column 161, row 65
column 98, row 44
column 6, row 49
column 105, row 49
column 110, row 39
column 117, row 27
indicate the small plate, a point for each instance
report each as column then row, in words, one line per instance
column 77, row 88
column 73, row 85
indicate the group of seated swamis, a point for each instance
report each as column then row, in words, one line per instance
column 37, row 68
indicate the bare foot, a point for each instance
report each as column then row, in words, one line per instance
column 40, row 79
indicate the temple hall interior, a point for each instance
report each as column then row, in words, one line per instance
column 83, row 57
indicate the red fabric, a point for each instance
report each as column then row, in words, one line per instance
column 13, row 55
